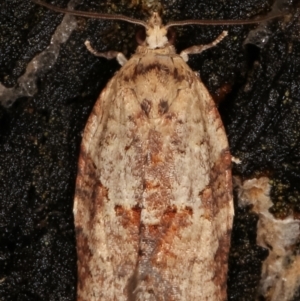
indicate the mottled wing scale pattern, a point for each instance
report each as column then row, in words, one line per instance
column 153, row 205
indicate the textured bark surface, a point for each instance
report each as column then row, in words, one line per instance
column 256, row 85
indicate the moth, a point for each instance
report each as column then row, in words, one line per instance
column 153, row 204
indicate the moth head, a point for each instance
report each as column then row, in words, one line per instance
column 156, row 32
column 155, row 20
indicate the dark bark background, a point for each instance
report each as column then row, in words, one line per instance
column 253, row 74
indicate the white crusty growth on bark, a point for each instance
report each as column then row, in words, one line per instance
column 280, row 277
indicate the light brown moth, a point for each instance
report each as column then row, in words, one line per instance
column 153, row 205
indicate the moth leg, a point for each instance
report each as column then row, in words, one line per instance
column 199, row 48
column 108, row 54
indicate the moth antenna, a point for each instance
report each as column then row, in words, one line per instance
column 93, row 15
column 223, row 22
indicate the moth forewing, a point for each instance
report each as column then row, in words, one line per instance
column 153, row 197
